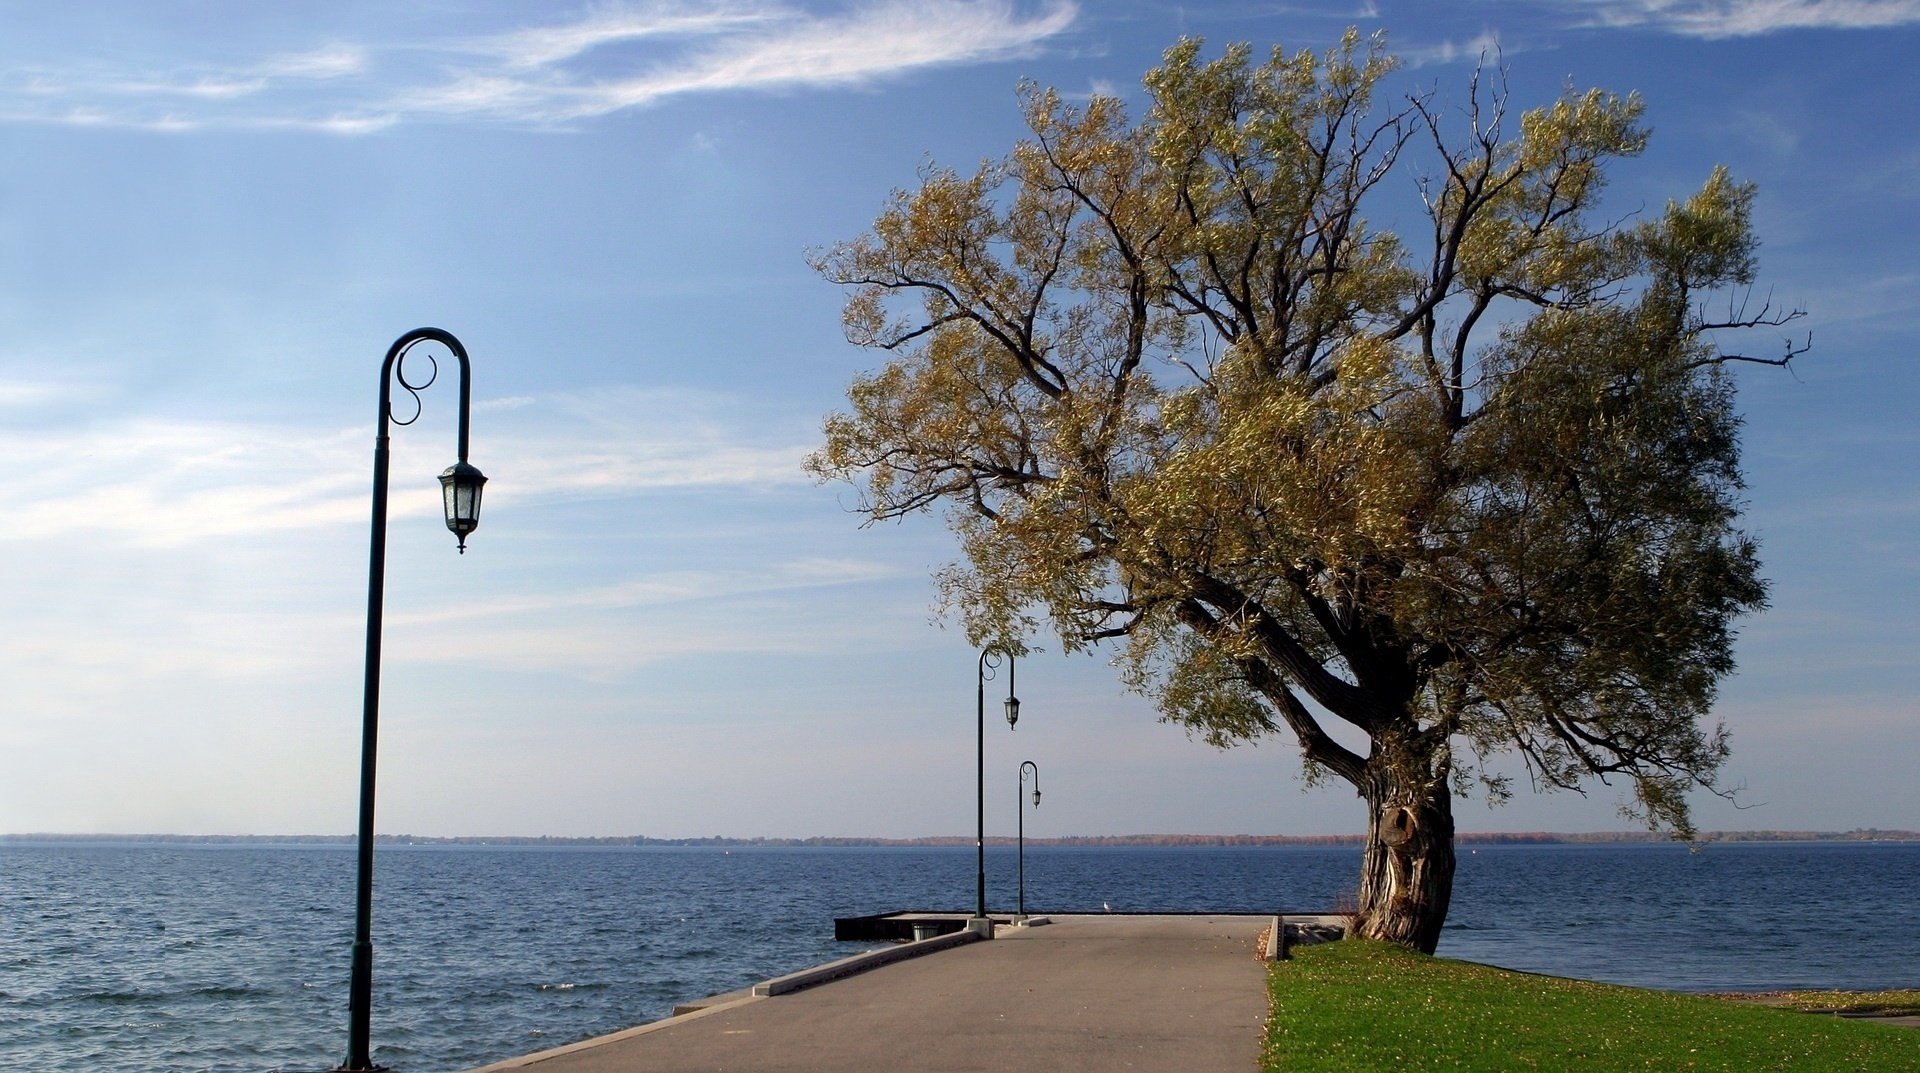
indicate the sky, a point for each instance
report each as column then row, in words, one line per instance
column 215, row 217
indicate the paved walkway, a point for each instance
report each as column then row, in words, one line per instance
column 1156, row 994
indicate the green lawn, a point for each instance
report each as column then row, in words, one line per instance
column 1361, row 1007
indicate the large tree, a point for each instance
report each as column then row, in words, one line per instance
column 1469, row 488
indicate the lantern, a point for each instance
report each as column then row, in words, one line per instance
column 460, row 489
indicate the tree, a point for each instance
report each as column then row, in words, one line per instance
column 1469, row 490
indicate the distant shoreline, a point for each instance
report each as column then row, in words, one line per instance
column 1489, row 838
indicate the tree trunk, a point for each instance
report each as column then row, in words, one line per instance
column 1406, row 878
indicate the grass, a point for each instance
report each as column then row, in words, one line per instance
column 1362, row 1007
column 1884, row 1003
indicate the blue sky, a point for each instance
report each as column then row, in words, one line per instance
column 215, row 217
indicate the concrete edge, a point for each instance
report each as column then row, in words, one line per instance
column 779, row 985
column 858, row 963
column 738, row 993
column 537, row 1057
column 1276, row 939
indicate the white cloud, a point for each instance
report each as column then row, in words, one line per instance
column 605, row 632
column 329, row 61
column 1888, row 300
column 30, row 394
column 362, row 124
column 1098, row 87
column 768, row 52
column 623, row 440
column 187, row 552
column 166, row 483
column 90, row 83
column 654, row 590
column 1767, row 130
column 154, row 482
column 542, row 46
column 614, row 58
column 1715, row 19
column 215, row 88
column 1484, row 47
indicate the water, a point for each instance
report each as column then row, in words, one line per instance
column 176, row 957
column 1733, row 917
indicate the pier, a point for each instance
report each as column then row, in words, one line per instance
column 1150, row 993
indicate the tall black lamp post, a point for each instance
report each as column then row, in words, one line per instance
column 1020, row 805
column 460, row 492
column 989, row 660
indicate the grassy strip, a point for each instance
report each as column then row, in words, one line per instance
column 1360, row 1007
column 1882, row 1003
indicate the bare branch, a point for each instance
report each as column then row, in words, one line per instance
column 1792, row 351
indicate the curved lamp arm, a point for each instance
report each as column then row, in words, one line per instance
column 461, row 483
column 990, row 658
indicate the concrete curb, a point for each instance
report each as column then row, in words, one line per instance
column 1276, row 939
column 537, row 1057
column 872, row 959
column 779, row 985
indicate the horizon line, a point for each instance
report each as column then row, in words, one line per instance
column 936, row 841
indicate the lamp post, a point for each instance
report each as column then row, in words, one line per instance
column 990, row 658
column 1020, row 807
column 460, row 493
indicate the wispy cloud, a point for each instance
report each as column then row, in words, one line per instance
column 1714, row 19
column 169, row 483
column 620, row 441
column 1889, row 300
column 31, row 394
column 86, row 93
column 733, row 51
column 607, row 633
column 611, row 59
column 1767, row 130
column 1484, row 47
column 153, row 482
column 327, row 61
column 654, row 590
column 543, row 46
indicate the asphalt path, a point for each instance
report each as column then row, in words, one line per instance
column 1155, row 994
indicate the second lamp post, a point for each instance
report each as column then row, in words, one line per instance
column 1020, row 806
column 990, row 658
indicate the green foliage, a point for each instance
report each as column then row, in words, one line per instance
column 1471, row 489
column 1360, row 1007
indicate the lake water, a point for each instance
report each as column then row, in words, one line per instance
column 180, row 957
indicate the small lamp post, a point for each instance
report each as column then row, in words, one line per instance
column 990, row 658
column 1020, row 806
column 460, row 492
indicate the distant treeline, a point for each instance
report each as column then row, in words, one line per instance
column 1523, row 838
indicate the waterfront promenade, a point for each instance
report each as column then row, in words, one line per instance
column 1154, row 994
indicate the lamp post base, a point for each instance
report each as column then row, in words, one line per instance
column 983, row 925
